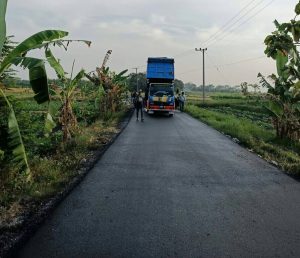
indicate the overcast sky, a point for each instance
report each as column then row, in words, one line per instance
column 138, row 29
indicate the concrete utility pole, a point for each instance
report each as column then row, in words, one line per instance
column 203, row 52
column 137, row 80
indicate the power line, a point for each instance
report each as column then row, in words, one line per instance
column 190, row 51
column 188, row 71
column 140, row 66
column 243, row 61
column 217, row 68
column 215, row 36
column 178, row 56
column 241, row 24
column 231, row 27
column 183, row 53
column 229, row 21
column 222, row 65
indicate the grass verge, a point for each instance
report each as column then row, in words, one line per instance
column 51, row 173
column 255, row 137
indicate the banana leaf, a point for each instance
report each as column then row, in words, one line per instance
column 16, row 142
column 62, row 43
column 55, row 64
column 37, row 76
column 297, row 9
column 75, row 82
column 1, row 154
column 264, row 82
column 281, row 61
column 122, row 73
column 274, row 108
column 93, row 79
column 49, row 122
column 31, row 43
column 105, row 70
column 39, row 83
column 119, row 77
column 3, row 4
column 49, row 125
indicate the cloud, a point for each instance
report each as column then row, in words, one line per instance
column 158, row 19
column 136, row 29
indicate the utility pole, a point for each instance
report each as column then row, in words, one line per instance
column 137, row 80
column 203, row 52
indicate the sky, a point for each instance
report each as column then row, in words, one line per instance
column 233, row 32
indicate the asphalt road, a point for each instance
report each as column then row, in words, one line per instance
column 174, row 187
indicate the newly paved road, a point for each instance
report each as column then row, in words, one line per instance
column 173, row 187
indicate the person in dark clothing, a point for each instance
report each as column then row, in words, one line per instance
column 181, row 101
column 177, row 99
column 133, row 95
column 139, row 105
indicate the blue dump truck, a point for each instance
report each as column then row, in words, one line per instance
column 159, row 93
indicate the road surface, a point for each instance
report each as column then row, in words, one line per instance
column 174, row 187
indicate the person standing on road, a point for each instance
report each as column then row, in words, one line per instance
column 133, row 95
column 177, row 99
column 181, row 101
column 139, row 105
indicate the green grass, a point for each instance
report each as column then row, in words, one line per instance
column 255, row 114
column 52, row 171
column 243, row 129
column 52, row 164
column 253, row 135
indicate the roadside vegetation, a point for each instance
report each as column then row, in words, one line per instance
column 52, row 161
column 267, row 123
column 53, row 155
column 249, row 123
column 50, row 128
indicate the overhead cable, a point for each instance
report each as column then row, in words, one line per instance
column 241, row 24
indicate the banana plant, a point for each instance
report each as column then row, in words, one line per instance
column 117, row 90
column 16, row 142
column 67, row 95
column 37, row 77
column 3, row 5
column 283, row 106
column 284, row 91
column 111, row 86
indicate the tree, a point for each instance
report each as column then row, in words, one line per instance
column 190, row 86
column 284, row 88
column 139, row 78
column 9, row 73
column 244, row 88
column 178, row 85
